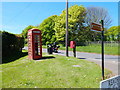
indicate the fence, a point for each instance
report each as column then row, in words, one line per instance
column 106, row 43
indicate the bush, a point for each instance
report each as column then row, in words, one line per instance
column 11, row 45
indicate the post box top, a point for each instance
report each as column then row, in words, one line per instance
column 72, row 41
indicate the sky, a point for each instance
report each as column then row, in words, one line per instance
column 18, row 15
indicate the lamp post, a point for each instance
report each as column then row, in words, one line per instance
column 66, row 28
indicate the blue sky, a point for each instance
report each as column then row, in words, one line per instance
column 18, row 15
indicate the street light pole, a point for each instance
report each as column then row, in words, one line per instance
column 67, row 28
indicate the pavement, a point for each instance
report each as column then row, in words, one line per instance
column 111, row 61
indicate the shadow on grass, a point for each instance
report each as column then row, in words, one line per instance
column 81, row 58
column 61, row 52
column 14, row 57
column 46, row 57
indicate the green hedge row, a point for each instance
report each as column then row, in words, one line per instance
column 11, row 45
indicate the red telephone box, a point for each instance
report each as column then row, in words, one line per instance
column 34, row 44
column 72, row 44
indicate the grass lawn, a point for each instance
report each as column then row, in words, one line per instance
column 51, row 72
column 94, row 49
column 97, row 49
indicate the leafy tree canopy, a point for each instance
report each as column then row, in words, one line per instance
column 47, row 28
column 113, row 33
column 76, row 17
column 25, row 31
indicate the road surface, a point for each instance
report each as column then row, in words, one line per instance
column 111, row 61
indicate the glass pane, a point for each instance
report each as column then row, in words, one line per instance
column 37, row 44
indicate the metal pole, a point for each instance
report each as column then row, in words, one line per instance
column 102, row 22
column 67, row 28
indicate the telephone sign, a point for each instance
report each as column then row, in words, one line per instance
column 34, row 44
column 36, row 31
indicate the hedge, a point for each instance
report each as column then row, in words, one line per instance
column 11, row 45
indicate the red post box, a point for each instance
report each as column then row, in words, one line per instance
column 72, row 44
column 34, row 44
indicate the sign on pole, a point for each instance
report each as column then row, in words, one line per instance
column 99, row 27
column 113, row 82
column 96, row 27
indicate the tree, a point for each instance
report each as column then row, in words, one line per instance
column 113, row 33
column 76, row 17
column 25, row 31
column 47, row 28
column 96, row 14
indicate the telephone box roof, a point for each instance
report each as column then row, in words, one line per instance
column 34, row 29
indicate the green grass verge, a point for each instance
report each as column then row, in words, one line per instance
column 94, row 49
column 97, row 49
column 57, row 72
